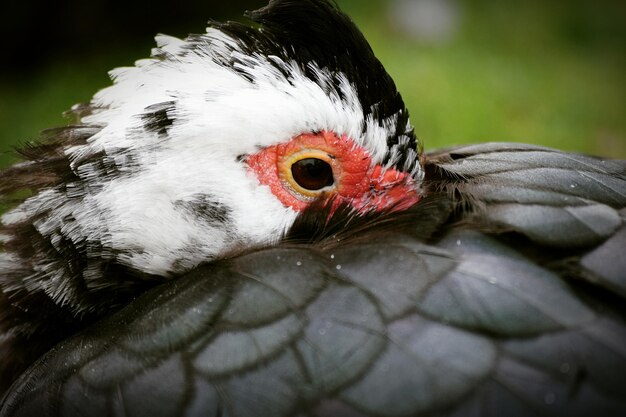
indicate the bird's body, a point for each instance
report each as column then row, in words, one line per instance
column 245, row 224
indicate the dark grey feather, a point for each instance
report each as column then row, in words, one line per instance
column 476, row 318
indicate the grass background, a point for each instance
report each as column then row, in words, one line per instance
column 549, row 73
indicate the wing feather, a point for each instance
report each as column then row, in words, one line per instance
column 479, row 317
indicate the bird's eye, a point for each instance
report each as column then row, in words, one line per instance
column 309, row 172
column 312, row 166
column 312, row 173
column 324, row 166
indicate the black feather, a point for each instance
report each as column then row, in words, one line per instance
column 501, row 292
column 158, row 118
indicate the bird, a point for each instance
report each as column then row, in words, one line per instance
column 246, row 224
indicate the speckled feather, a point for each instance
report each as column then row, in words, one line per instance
column 464, row 320
column 500, row 293
column 150, row 181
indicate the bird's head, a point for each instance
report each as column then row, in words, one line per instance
column 215, row 143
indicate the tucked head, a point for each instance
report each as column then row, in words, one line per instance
column 217, row 142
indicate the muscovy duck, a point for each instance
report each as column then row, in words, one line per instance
column 245, row 224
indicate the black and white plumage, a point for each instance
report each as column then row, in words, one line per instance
column 499, row 292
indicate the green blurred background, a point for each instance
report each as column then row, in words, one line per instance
column 550, row 73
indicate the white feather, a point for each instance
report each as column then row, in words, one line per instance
column 219, row 114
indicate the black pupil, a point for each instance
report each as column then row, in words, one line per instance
column 312, row 173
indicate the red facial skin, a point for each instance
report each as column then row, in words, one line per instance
column 357, row 182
